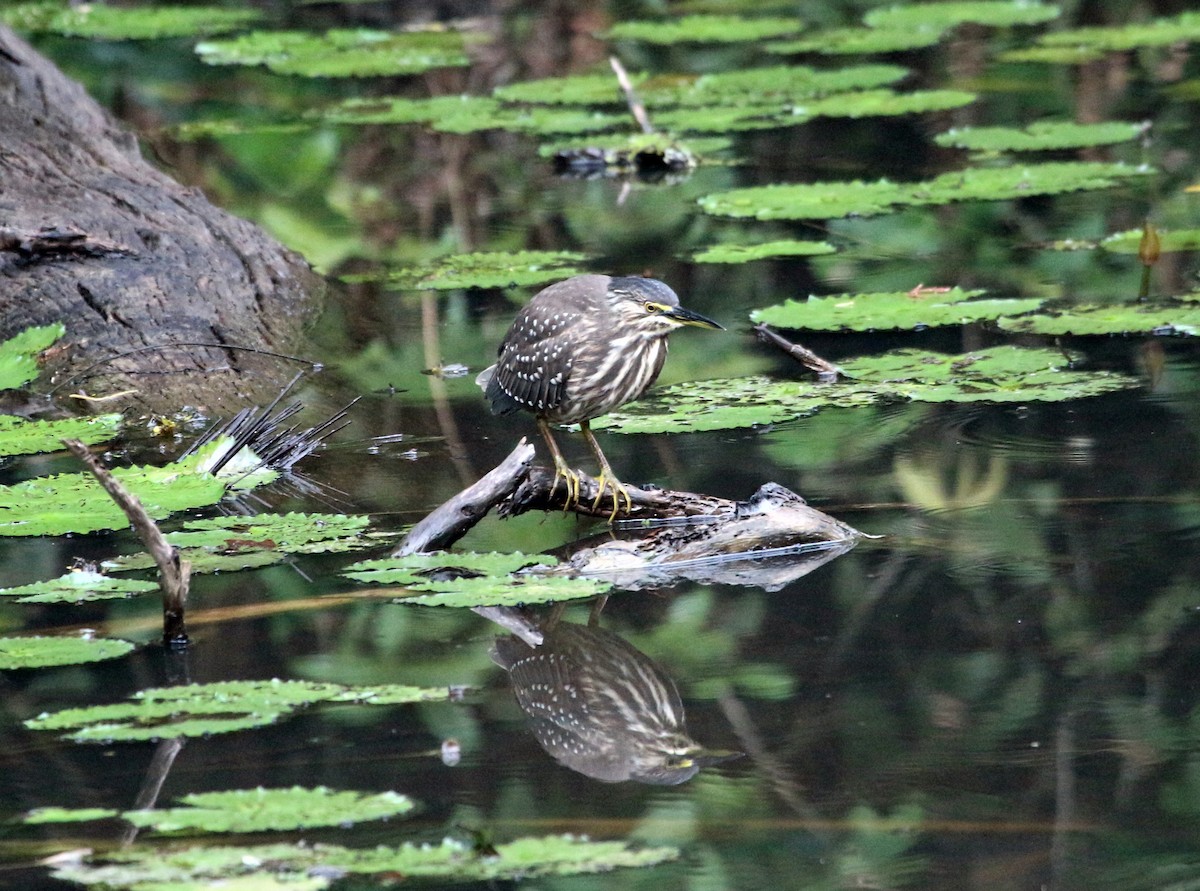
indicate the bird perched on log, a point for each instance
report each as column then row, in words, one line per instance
column 579, row 349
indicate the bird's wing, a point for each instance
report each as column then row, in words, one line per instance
column 535, row 362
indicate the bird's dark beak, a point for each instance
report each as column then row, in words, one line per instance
column 709, row 757
column 687, row 317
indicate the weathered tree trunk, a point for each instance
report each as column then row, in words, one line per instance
column 153, row 282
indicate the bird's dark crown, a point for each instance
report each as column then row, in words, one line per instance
column 643, row 290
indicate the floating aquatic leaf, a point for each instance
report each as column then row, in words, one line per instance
column 305, row 867
column 1053, row 55
column 42, row 652
column 204, row 709
column 230, row 543
column 69, row 814
column 897, row 310
column 827, row 200
column 998, row 374
column 860, row 104
column 996, row 13
column 1122, row 318
column 704, row 29
column 472, row 579
column 1040, row 136
column 18, row 354
column 776, row 83
column 75, row 502
column 1169, row 241
column 499, row 269
column 21, row 437
column 1183, row 28
column 744, row 253
column 104, row 22
column 263, row 810
column 78, row 587
column 403, row 110
column 357, row 52
column 576, row 89
column 849, row 41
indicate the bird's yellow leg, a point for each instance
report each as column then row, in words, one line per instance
column 608, row 479
column 561, row 468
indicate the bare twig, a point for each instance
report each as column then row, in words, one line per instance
column 636, row 108
column 806, row 357
column 173, row 573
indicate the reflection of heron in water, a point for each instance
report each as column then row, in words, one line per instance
column 601, row 707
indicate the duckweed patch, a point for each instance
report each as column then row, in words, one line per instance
column 898, row 310
column 828, row 200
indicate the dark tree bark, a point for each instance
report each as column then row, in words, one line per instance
column 134, row 264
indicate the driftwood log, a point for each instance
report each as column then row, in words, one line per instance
column 160, row 291
column 767, row 541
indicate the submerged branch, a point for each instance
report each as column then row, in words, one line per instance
column 173, row 574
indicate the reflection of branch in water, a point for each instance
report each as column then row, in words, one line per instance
column 437, row 390
column 165, row 754
column 601, row 707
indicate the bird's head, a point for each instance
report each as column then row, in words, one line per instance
column 652, row 306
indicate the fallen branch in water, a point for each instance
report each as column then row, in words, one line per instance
column 173, row 574
column 806, row 357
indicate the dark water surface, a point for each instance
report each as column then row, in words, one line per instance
column 999, row 692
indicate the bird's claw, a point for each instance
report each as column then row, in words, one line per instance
column 619, row 494
column 571, row 479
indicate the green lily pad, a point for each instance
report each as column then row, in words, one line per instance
column 852, row 41
column 358, row 52
column 75, row 502
column 69, row 814
column 100, row 21
column 1169, row 241
column 1052, row 55
column 223, row 544
column 776, row 83
column 898, row 310
column 1183, row 28
column 478, row 579
column 575, row 89
column 827, row 200
column 21, row 437
column 403, row 110
column 995, row 13
column 704, row 29
column 78, row 587
column 499, row 269
column 860, row 104
column 745, row 253
column 998, row 374
column 43, row 652
column 205, row 709
column 1040, row 136
column 18, row 354
column 263, row 810
column 315, row 866
column 1182, row 318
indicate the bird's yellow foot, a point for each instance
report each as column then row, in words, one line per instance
column 571, row 478
column 619, row 494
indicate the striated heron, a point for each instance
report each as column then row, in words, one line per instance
column 603, row 708
column 579, row 349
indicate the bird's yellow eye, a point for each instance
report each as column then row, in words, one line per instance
column 656, row 307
